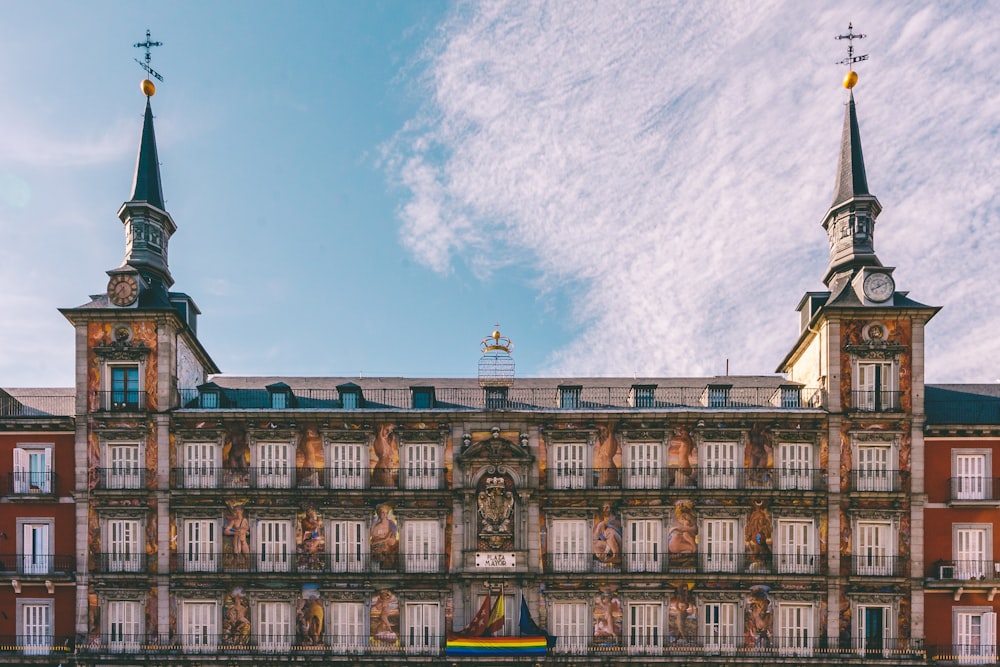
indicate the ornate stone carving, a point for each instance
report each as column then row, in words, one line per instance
column 495, row 502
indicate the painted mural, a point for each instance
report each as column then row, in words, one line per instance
column 495, row 503
column 607, row 458
column 310, row 543
column 682, row 535
column 682, row 458
column 384, row 619
column 384, row 538
column 104, row 335
column 190, row 374
column 309, row 617
column 236, row 618
column 759, row 456
column 152, row 615
column 607, row 617
column 606, row 534
column 759, row 537
column 235, row 536
column 682, row 617
column 384, row 457
column 758, row 620
column 309, row 458
column 93, row 619
column 236, row 457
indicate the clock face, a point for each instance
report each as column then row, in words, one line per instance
column 879, row 286
column 123, row 289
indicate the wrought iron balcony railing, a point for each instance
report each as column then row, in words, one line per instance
column 37, row 407
column 964, row 654
column 876, row 401
column 40, row 643
column 569, row 477
column 333, row 643
column 119, row 401
column 28, row 564
column 877, row 480
column 122, row 478
column 342, row 561
column 965, row 570
column 972, row 488
column 138, row 563
column 288, row 477
column 875, row 565
column 701, row 562
column 28, row 483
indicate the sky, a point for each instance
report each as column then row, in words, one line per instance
column 629, row 188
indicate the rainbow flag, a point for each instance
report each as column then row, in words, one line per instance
column 486, row 646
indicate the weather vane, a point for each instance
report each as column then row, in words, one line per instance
column 852, row 77
column 148, row 44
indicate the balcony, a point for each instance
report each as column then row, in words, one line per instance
column 139, row 563
column 701, row 563
column 24, row 483
column 335, row 562
column 285, row 477
column 228, row 645
column 119, row 401
column 877, row 480
column 29, row 564
column 876, row 401
column 964, row 654
column 873, row 565
column 965, row 570
column 974, row 490
column 37, row 644
column 109, row 479
column 567, row 477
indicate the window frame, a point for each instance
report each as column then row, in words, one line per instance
column 348, row 467
column 422, row 543
column 959, row 487
column 209, row 561
column 880, row 389
column 561, row 531
column 569, row 472
column 720, row 560
column 121, row 641
column 273, row 544
column 273, row 639
column 423, row 619
column 973, row 568
column 986, row 642
column 722, row 473
column 793, row 554
column 201, row 472
column 713, row 631
column 209, row 640
column 867, row 564
column 111, row 368
column 128, row 477
column 801, row 643
column 275, row 473
column 22, row 473
column 582, row 631
column 115, row 560
column 35, row 643
column 39, row 563
column 651, row 536
column 348, row 538
column 653, row 641
column 642, row 462
column 339, row 612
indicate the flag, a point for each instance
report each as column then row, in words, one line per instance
column 477, row 626
column 530, row 629
column 495, row 624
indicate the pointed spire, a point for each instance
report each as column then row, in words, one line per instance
column 146, row 184
column 851, row 178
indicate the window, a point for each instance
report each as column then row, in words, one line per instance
column 274, row 626
column 796, row 551
column 124, row 625
column 201, row 465
column 971, row 476
column 875, row 387
column 718, row 395
column 795, row 464
column 719, row 627
column 199, row 626
column 790, row 397
column 124, row 467
column 569, row 397
column 274, row 469
column 422, row 546
column 568, row 621
column 348, row 465
column 125, row 389
column 643, row 396
column 36, row 546
column 875, row 630
column 34, row 618
column 422, row 471
column 349, row 548
column 568, row 465
column 33, row 469
column 209, row 400
column 347, row 627
column 875, row 549
column 422, row 397
column 496, row 398
column 873, row 472
column 200, row 547
column 642, row 465
column 973, row 553
column 718, row 550
column 975, row 631
column 273, row 542
column 422, row 627
column 568, row 545
column 122, row 548
column 719, row 465
column 644, row 545
column 279, row 400
column 645, row 632
column 795, row 629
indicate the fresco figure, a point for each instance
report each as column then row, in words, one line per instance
column 236, row 458
column 385, row 472
column 237, row 526
column 384, row 620
column 759, row 618
column 758, row 455
column 607, row 619
column 759, row 535
column 682, row 617
column 236, row 623
column 682, row 449
column 309, row 617
column 607, row 537
column 384, row 538
column 308, row 457
column 682, row 537
column 310, row 543
column 607, row 457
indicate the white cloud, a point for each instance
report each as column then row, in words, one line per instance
column 673, row 164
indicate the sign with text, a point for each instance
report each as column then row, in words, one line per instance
column 495, row 560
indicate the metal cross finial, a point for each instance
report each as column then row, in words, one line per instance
column 850, row 37
column 148, row 44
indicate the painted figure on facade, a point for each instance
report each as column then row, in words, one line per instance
column 682, row 457
column 607, row 618
column 384, row 538
column 310, row 543
column 682, row 537
column 385, row 472
column 384, row 619
column 758, row 455
column 759, row 618
column 237, row 527
column 495, row 502
column 236, row 457
column 607, row 457
column 309, row 617
column 308, row 457
column 682, row 616
column 607, row 536
column 759, row 535
column 236, row 623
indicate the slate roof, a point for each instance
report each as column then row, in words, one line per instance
column 851, row 178
column 146, row 184
column 963, row 404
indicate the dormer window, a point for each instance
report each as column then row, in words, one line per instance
column 643, row 395
column 210, row 396
column 717, row 395
column 496, row 398
column 422, row 398
column 209, row 400
column 351, row 397
column 569, row 396
column 789, row 396
column 281, row 395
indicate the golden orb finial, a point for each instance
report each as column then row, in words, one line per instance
column 496, row 335
column 148, row 88
column 850, row 79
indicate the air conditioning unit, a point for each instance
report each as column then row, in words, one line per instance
column 946, row 572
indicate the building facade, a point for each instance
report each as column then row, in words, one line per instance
column 723, row 520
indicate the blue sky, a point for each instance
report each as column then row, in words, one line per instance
column 629, row 188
